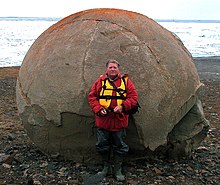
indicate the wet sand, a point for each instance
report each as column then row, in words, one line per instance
column 208, row 67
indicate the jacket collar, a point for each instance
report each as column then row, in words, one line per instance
column 117, row 77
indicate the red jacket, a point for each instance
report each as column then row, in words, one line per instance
column 113, row 121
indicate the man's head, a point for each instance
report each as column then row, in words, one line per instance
column 112, row 68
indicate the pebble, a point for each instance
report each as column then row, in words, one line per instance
column 6, row 165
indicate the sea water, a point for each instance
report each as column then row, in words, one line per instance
column 16, row 37
column 202, row 39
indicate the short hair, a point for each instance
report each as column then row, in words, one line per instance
column 112, row 61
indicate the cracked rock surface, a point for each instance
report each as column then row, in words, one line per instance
column 60, row 67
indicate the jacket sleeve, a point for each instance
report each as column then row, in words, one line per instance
column 132, row 96
column 93, row 96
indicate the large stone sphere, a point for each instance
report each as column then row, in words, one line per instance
column 64, row 61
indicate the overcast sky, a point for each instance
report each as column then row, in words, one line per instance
column 156, row 9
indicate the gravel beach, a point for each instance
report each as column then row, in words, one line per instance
column 22, row 163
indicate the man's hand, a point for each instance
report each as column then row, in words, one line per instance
column 103, row 112
column 118, row 109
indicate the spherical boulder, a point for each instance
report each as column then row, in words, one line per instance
column 61, row 65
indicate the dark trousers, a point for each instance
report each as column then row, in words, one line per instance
column 108, row 140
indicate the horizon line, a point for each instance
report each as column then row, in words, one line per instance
column 156, row 19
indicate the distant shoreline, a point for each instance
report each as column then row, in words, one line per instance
column 207, row 67
column 187, row 21
column 210, row 58
column 196, row 59
column 15, row 18
column 30, row 18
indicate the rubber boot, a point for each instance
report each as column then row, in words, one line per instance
column 107, row 169
column 117, row 168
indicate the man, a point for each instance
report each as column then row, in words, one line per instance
column 109, row 105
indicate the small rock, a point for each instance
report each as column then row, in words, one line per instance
column 3, row 157
column 6, row 165
column 157, row 170
column 202, row 148
column 189, row 168
column 37, row 182
column 44, row 164
column 140, row 170
column 171, row 177
column 10, row 159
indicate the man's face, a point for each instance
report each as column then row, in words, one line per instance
column 112, row 70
